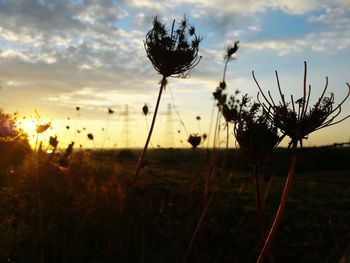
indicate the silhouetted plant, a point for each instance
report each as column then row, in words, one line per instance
column 257, row 137
column 194, row 140
column 40, row 128
column 172, row 54
column 64, row 160
column 220, row 96
column 53, row 143
column 90, row 136
column 105, row 131
column 297, row 122
column 255, row 133
column 14, row 145
column 145, row 109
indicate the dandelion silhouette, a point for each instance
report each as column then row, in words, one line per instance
column 172, row 54
column 297, row 120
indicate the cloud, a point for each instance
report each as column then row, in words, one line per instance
column 59, row 49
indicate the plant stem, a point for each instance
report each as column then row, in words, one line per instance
column 282, row 204
column 162, row 86
column 258, row 199
column 38, row 193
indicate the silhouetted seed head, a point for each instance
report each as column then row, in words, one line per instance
column 78, row 131
column 230, row 50
column 90, row 136
column 174, row 53
column 296, row 119
column 77, row 108
column 256, row 135
column 178, row 131
column 145, row 109
column 53, row 141
column 194, row 140
column 204, row 136
column 110, row 111
column 64, row 159
column 40, row 128
column 198, row 118
column 67, row 127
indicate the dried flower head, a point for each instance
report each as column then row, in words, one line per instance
column 230, row 50
column 64, row 160
column 296, row 119
column 173, row 53
column 256, row 135
column 145, row 109
column 194, row 140
column 40, row 128
column 110, row 111
column 53, row 141
column 90, row 136
column 77, row 108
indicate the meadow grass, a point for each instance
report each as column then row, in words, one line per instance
column 92, row 211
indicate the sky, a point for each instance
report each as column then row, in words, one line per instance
column 57, row 55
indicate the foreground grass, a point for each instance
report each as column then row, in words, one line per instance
column 92, row 212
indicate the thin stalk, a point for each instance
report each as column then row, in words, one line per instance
column 210, row 125
column 258, row 199
column 282, row 204
column 147, row 126
column 38, row 192
column 198, row 227
column 105, row 133
column 162, row 86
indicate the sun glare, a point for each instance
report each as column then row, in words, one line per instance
column 28, row 127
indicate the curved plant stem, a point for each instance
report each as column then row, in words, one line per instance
column 282, row 205
column 162, row 86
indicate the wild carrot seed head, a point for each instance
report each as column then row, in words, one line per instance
column 297, row 119
column 174, row 53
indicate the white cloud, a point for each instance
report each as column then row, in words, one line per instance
column 41, row 58
column 254, row 28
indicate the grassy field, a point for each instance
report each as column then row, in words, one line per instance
column 96, row 211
